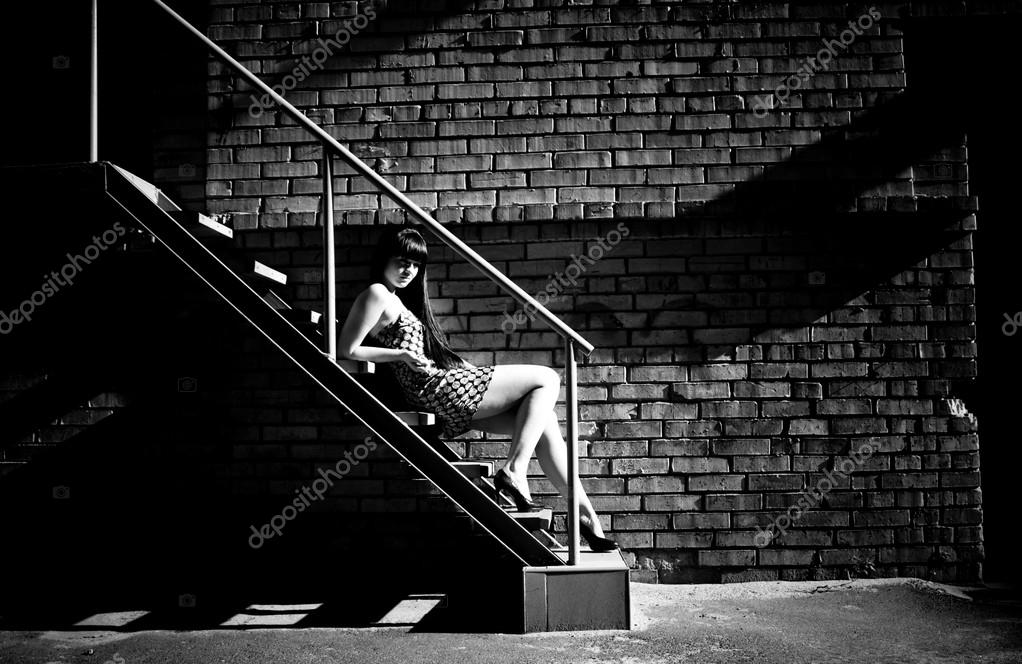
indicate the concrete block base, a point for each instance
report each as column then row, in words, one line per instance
column 591, row 595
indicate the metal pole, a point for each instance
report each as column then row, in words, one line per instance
column 571, row 399
column 329, row 262
column 94, row 86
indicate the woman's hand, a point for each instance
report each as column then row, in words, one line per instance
column 415, row 361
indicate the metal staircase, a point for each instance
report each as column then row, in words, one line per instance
column 561, row 587
column 548, row 580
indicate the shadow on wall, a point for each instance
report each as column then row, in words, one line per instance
column 832, row 233
column 315, row 50
column 803, row 256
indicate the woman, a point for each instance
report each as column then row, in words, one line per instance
column 513, row 399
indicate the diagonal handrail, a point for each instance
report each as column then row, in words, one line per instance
column 385, row 187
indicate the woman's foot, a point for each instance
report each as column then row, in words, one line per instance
column 591, row 522
column 592, row 533
column 520, row 481
column 507, row 484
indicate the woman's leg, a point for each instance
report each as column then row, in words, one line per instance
column 531, row 391
column 553, row 457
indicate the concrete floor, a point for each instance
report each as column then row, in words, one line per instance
column 882, row 620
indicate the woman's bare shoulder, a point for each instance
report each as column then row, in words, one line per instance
column 375, row 293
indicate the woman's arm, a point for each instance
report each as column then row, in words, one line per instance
column 364, row 314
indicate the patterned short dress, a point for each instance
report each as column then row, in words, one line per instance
column 453, row 394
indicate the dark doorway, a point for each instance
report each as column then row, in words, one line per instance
column 961, row 64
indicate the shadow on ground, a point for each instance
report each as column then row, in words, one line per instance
column 874, row 621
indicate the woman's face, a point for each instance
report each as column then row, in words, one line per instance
column 401, row 271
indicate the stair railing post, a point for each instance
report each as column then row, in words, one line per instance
column 94, row 85
column 571, row 399
column 329, row 263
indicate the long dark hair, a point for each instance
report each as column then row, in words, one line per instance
column 408, row 243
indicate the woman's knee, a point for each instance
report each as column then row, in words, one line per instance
column 548, row 377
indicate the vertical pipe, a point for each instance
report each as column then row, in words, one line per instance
column 571, row 399
column 94, row 85
column 329, row 263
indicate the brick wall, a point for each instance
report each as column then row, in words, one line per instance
column 795, row 283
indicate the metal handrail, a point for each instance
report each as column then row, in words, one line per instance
column 363, row 169
column 572, row 339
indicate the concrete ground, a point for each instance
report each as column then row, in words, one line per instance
column 881, row 620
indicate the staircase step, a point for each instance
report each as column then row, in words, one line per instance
column 357, row 366
column 203, row 226
column 265, row 271
column 300, row 316
column 275, row 301
column 262, row 286
column 549, row 540
column 416, row 418
column 150, row 190
column 475, row 469
column 301, row 320
column 470, row 469
column 140, row 241
column 539, row 520
column 491, row 491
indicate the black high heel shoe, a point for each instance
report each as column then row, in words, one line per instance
column 503, row 483
column 596, row 543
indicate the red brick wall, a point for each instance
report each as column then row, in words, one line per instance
column 785, row 293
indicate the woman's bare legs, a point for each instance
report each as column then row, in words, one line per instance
column 530, row 393
column 552, row 453
column 534, row 412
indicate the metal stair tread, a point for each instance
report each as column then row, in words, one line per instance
column 538, row 520
column 204, row 226
column 151, row 191
column 549, row 540
column 470, row 469
column 416, row 418
column 474, row 469
column 265, row 271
